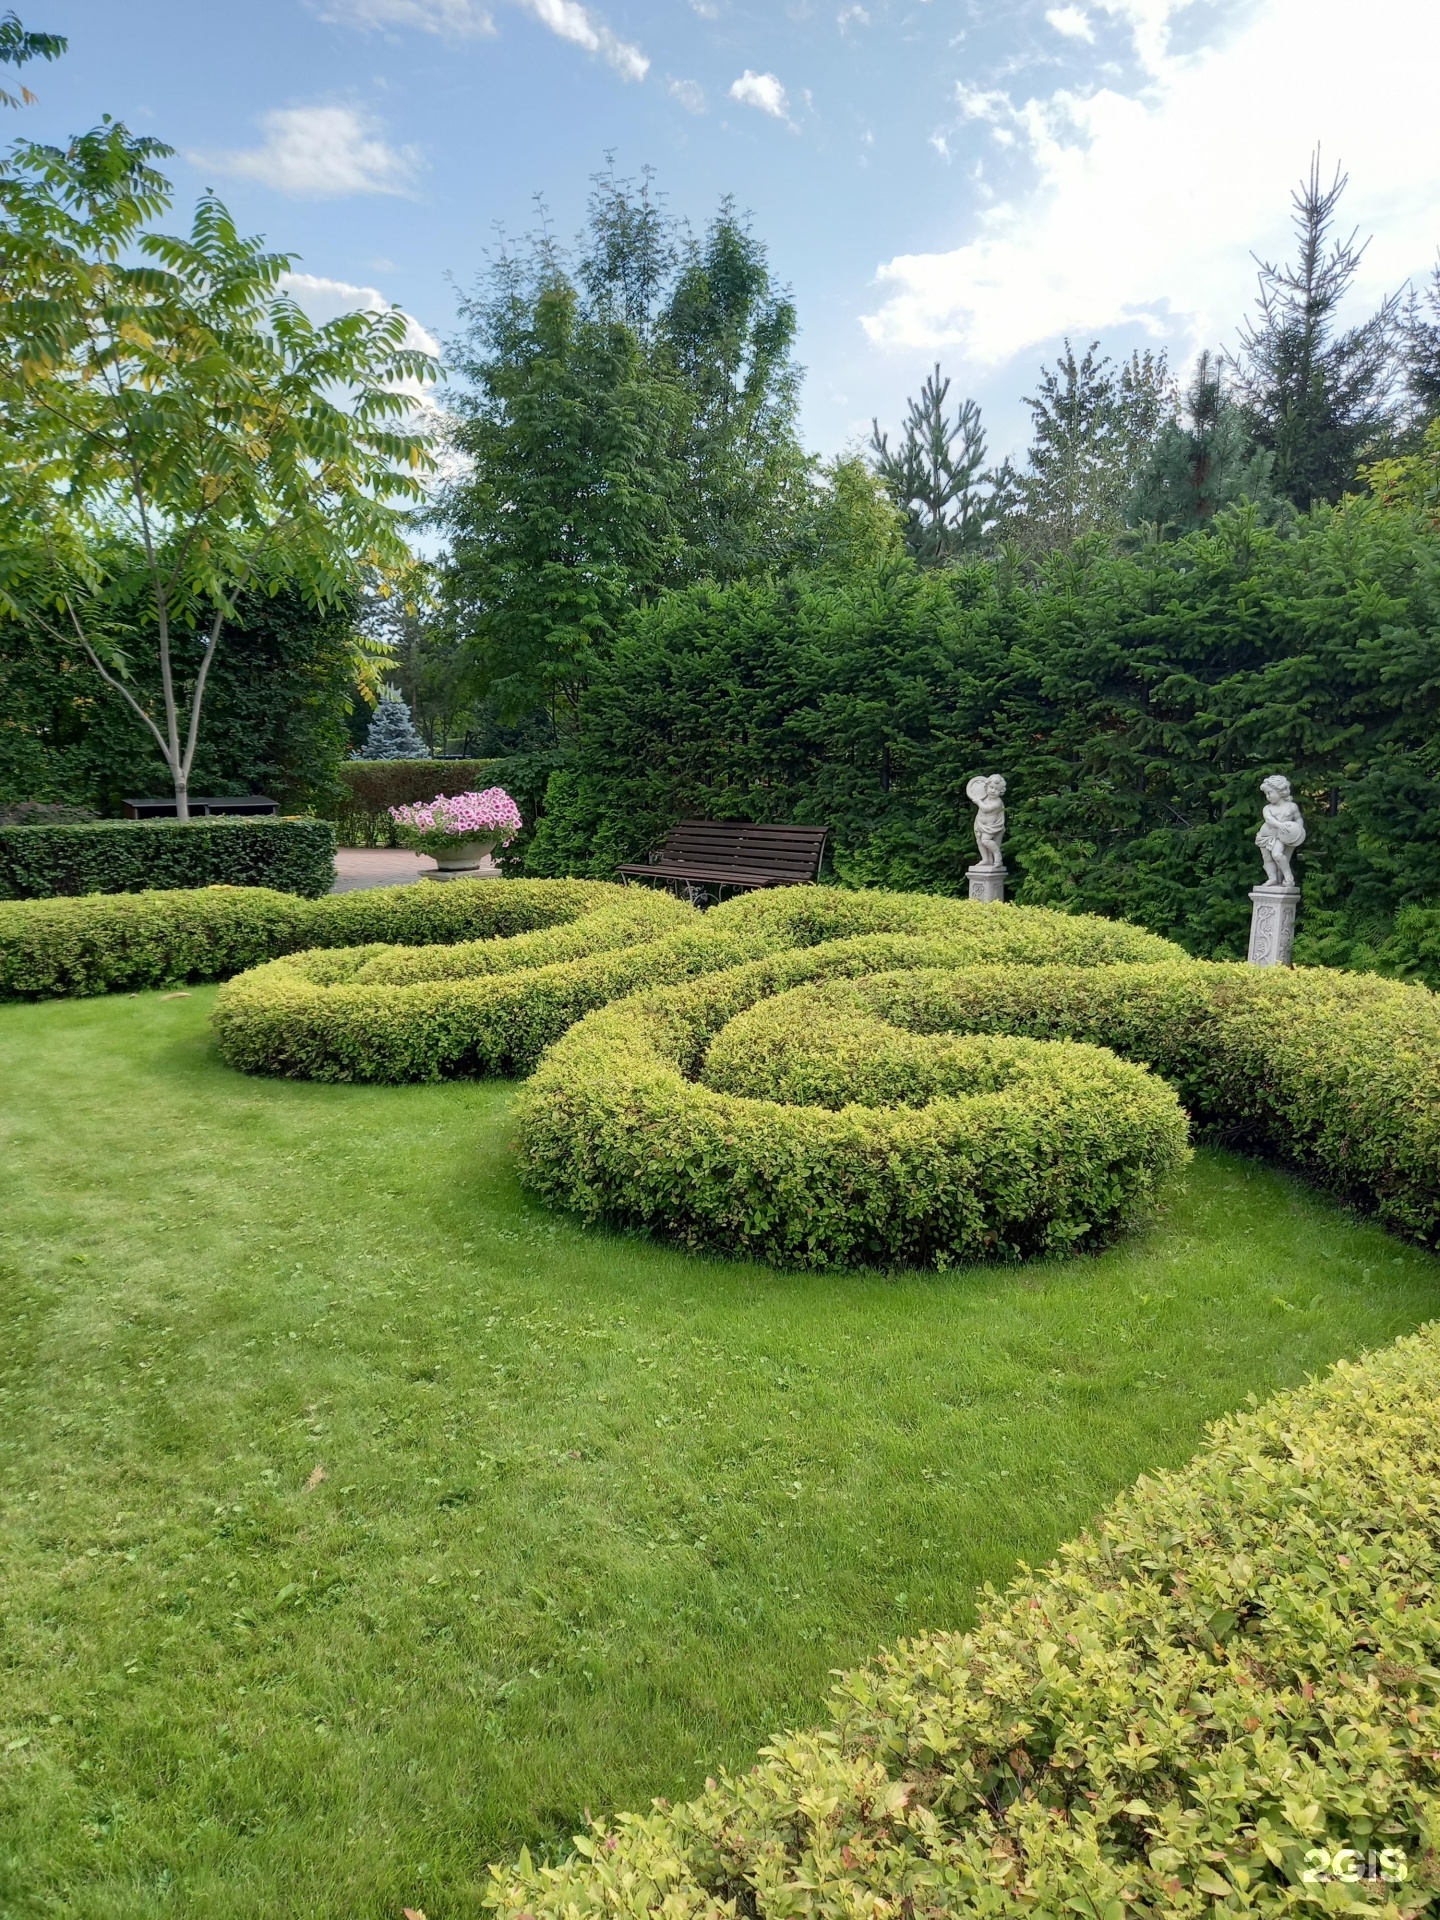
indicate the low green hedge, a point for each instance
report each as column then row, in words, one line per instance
column 369, row 788
column 802, row 1128
column 427, row 1015
column 1336, row 1074
column 112, row 942
column 135, row 856
column 1223, row 1700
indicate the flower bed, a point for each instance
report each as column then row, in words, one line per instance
column 437, row 826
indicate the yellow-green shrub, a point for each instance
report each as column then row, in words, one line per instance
column 390, row 1013
column 818, row 1133
column 433, row 1012
column 103, row 943
column 1233, row 1678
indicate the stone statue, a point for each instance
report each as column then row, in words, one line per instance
column 1282, row 831
column 986, row 793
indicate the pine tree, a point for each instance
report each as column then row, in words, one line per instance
column 1094, row 427
column 1202, row 462
column 392, row 734
column 1422, row 355
column 1319, row 399
column 936, row 476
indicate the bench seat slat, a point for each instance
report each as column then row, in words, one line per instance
column 734, row 853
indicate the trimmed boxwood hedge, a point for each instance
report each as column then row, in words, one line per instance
column 134, row 856
column 106, row 943
column 369, row 788
column 805, row 1129
column 1227, row 1683
column 427, row 1015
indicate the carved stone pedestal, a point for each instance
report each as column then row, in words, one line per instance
column 1272, row 925
column 986, row 883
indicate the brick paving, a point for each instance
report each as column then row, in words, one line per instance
column 388, row 867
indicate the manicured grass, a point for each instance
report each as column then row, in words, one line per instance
column 594, row 1518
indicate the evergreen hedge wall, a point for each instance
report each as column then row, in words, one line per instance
column 1133, row 703
column 134, row 856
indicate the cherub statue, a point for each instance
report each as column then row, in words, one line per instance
column 986, row 793
column 1282, row 831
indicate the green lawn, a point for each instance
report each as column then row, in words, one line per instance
column 594, row 1516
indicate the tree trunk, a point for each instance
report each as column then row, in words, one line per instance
column 182, row 797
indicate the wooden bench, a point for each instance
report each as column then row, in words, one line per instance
column 705, row 856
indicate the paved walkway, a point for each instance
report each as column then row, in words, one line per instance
column 388, row 867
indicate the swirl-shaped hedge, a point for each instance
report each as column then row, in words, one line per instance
column 492, row 1005
column 817, row 1125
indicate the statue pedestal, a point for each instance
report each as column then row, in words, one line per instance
column 986, row 883
column 1272, row 925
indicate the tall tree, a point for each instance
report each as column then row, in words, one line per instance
column 627, row 422
column 1318, row 396
column 1201, row 462
column 176, row 431
column 1093, row 428
column 936, row 476
column 1421, row 334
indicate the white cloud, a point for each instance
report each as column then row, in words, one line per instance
column 761, row 90
column 852, row 17
column 321, row 152
column 575, row 23
column 326, row 299
column 1120, row 224
column 1073, row 22
column 455, row 19
column 689, row 93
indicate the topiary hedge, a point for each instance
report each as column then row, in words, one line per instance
column 134, row 856
column 425, row 1015
column 106, row 943
column 807, row 1127
column 635, row 1116
column 1225, row 1699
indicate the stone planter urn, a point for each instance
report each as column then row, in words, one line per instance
column 462, row 856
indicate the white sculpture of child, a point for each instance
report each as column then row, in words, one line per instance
column 986, row 793
column 1281, row 832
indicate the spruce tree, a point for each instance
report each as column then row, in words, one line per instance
column 936, row 476
column 392, row 734
column 1202, row 462
column 1319, row 398
column 1422, row 355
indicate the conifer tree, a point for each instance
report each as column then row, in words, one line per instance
column 1202, row 462
column 1094, row 426
column 936, row 476
column 392, row 733
column 1318, row 397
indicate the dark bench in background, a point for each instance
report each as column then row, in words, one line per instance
column 702, row 857
column 202, row 807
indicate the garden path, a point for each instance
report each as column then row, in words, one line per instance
column 387, row 867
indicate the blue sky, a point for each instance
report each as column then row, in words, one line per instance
column 962, row 180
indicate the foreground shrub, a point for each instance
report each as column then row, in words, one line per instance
column 135, row 856
column 1227, row 1684
column 815, row 1130
column 106, row 943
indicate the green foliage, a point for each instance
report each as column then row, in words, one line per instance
column 430, row 1014
column 1317, row 397
column 936, row 476
column 18, row 47
column 629, row 423
column 276, row 703
column 1232, row 1669
column 176, row 429
column 139, row 856
column 1092, row 427
column 369, row 788
column 1201, row 463
column 391, row 734
column 103, row 944
column 1133, row 701
column 805, row 1130
column 388, row 1014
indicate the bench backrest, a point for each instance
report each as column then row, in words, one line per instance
column 794, row 851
